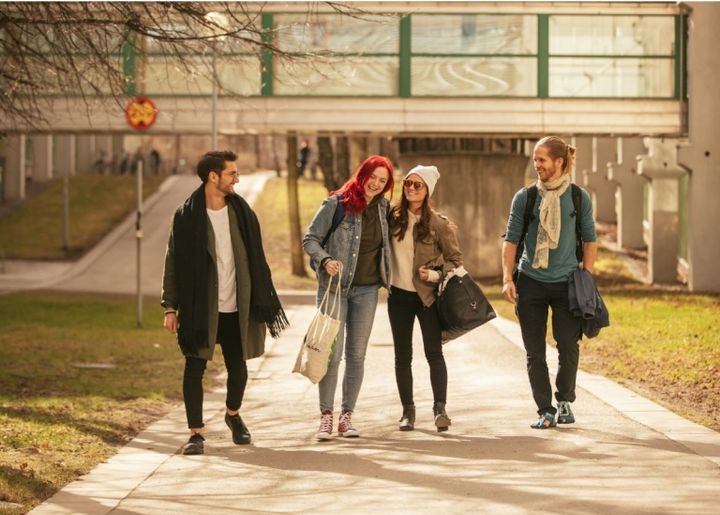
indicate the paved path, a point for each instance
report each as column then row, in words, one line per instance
column 489, row 462
column 110, row 267
column 625, row 454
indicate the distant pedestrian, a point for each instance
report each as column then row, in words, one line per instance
column 217, row 288
column 125, row 164
column 359, row 241
column 423, row 246
column 155, row 161
column 303, row 157
column 547, row 262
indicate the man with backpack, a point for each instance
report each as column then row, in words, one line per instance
column 550, row 233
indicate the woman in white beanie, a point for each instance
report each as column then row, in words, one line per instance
column 423, row 246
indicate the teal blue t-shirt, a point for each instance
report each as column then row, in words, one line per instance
column 562, row 261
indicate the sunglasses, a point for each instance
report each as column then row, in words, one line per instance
column 413, row 184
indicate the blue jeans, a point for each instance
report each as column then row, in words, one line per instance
column 357, row 313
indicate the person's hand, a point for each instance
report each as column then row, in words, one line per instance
column 171, row 322
column 509, row 291
column 424, row 273
column 453, row 227
column 332, row 267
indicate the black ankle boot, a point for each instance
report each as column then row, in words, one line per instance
column 407, row 421
column 442, row 421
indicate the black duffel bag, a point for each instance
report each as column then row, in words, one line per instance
column 462, row 305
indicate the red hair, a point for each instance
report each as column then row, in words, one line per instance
column 353, row 191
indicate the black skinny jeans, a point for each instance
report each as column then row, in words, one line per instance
column 403, row 307
column 533, row 300
column 229, row 339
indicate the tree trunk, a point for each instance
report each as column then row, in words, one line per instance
column 276, row 159
column 326, row 162
column 296, row 252
column 342, row 148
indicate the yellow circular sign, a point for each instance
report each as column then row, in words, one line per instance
column 141, row 113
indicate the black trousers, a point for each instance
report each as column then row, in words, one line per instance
column 229, row 339
column 403, row 307
column 533, row 300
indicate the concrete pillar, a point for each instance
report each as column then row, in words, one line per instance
column 628, row 192
column 117, row 152
column 85, row 153
column 64, row 161
column 702, row 156
column 475, row 191
column 42, row 157
column 595, row 180
column 358, row 151
column 104, row 153
column 14, row 173
column 583, row 158
column 660, row 166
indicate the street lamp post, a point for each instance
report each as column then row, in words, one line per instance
column 213, row 139
column 218, row 24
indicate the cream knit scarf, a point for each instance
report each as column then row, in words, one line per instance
column 548, row 233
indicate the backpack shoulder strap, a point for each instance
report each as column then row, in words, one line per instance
column 338, row 216
column 532, row 193
column 577, row 203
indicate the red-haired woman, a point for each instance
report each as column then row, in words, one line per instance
column 360, row 243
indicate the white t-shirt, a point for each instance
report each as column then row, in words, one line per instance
column 403, row 256
column 225, row 262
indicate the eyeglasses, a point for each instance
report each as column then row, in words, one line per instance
column 413, row 184
column 232, row 175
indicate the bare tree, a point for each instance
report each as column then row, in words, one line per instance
column 296, row 253
column 326, row 161
column 51, row 49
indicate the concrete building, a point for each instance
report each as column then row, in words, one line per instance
column 633, row 83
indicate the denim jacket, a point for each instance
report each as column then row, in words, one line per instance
column 344, row 243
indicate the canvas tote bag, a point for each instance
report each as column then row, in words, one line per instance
column 312, row 360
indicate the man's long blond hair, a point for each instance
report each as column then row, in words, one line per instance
column 557, row 148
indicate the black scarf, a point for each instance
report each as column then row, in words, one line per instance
column 191, row 265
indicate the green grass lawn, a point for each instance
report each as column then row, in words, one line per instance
column 662, row 343
column 58, row 421
column 97, row 204
column 272, row 211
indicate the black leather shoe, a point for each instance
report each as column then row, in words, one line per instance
column 240, row 433
column 194, row 445
column 407, row 421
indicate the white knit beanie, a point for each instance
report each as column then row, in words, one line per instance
column 429, row 175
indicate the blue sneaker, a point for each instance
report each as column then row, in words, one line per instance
column 565, row 414
column 546, row 421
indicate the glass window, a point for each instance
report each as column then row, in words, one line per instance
column 608, row 77
column 480, row 76
column 193, row 76
column 612, row 35
column 159, row 41
column 474, row 34
column 341, row 76
column 337, row 33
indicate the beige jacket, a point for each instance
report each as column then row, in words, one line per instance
column 439, row 249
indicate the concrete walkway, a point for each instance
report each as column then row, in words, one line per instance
column 110, row 267
column 639, row 459
column 624, row 455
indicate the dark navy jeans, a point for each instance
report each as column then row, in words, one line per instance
column 533, row 300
